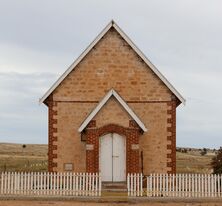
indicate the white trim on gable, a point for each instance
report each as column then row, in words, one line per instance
column 136, row 49
column 111, row 93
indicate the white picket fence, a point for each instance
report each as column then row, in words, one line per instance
column 50, row 184
column 135, row 185
column 184, row 185
column 175, row 185
column 89, row 184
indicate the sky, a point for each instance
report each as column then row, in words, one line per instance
column 40, row 39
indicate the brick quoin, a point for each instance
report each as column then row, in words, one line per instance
column 132, row 137
column 171, row 120
column 52, row 134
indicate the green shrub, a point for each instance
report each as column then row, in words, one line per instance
column 203, row 152
column 217, row 162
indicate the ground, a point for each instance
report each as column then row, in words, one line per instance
column 33, row 157
column 107, row 203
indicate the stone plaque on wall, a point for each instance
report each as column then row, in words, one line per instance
column 134, row 146
column 89, row 147
column 68, row 167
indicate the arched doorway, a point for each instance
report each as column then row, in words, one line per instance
column 112, row 157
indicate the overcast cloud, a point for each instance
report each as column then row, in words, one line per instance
column 40, row 39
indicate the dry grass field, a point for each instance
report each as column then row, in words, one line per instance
column 18, row 157
column 194, row 162
column 33, row 157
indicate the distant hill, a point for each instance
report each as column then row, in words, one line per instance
column 33, row 157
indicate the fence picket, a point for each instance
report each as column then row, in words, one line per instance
column 74, row 184
column 100, row 184
column 128, row 185
column 141, row 184
column 169, row 185
column 218, row 186
column 157, row 184
column 137, row 184
column 151, row 186
column 164, row 185
column 1, row 175
column 215, row 185
column 90, row 184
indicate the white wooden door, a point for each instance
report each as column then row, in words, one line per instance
column 105, row 157
column 112, row 158
column 119, row 158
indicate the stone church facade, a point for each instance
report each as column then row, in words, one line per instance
column 112, row 112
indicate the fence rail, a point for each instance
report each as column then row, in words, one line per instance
column 51, row 184
column 175, row 185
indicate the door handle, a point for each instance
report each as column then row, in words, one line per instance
column 115, row 156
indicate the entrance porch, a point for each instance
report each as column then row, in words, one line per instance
column 112, row 150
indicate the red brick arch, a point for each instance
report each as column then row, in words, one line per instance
column 93, row 134
column 112, row 128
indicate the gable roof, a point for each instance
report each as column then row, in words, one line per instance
column 111, row 93
column 134, row 47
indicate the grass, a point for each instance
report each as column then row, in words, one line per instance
column 33, row 157
column 194, row 162
column 18, row 157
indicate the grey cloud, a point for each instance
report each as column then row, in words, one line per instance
column 22, row 119
column 182, row 38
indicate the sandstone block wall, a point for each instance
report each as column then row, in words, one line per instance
column 112, row 64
